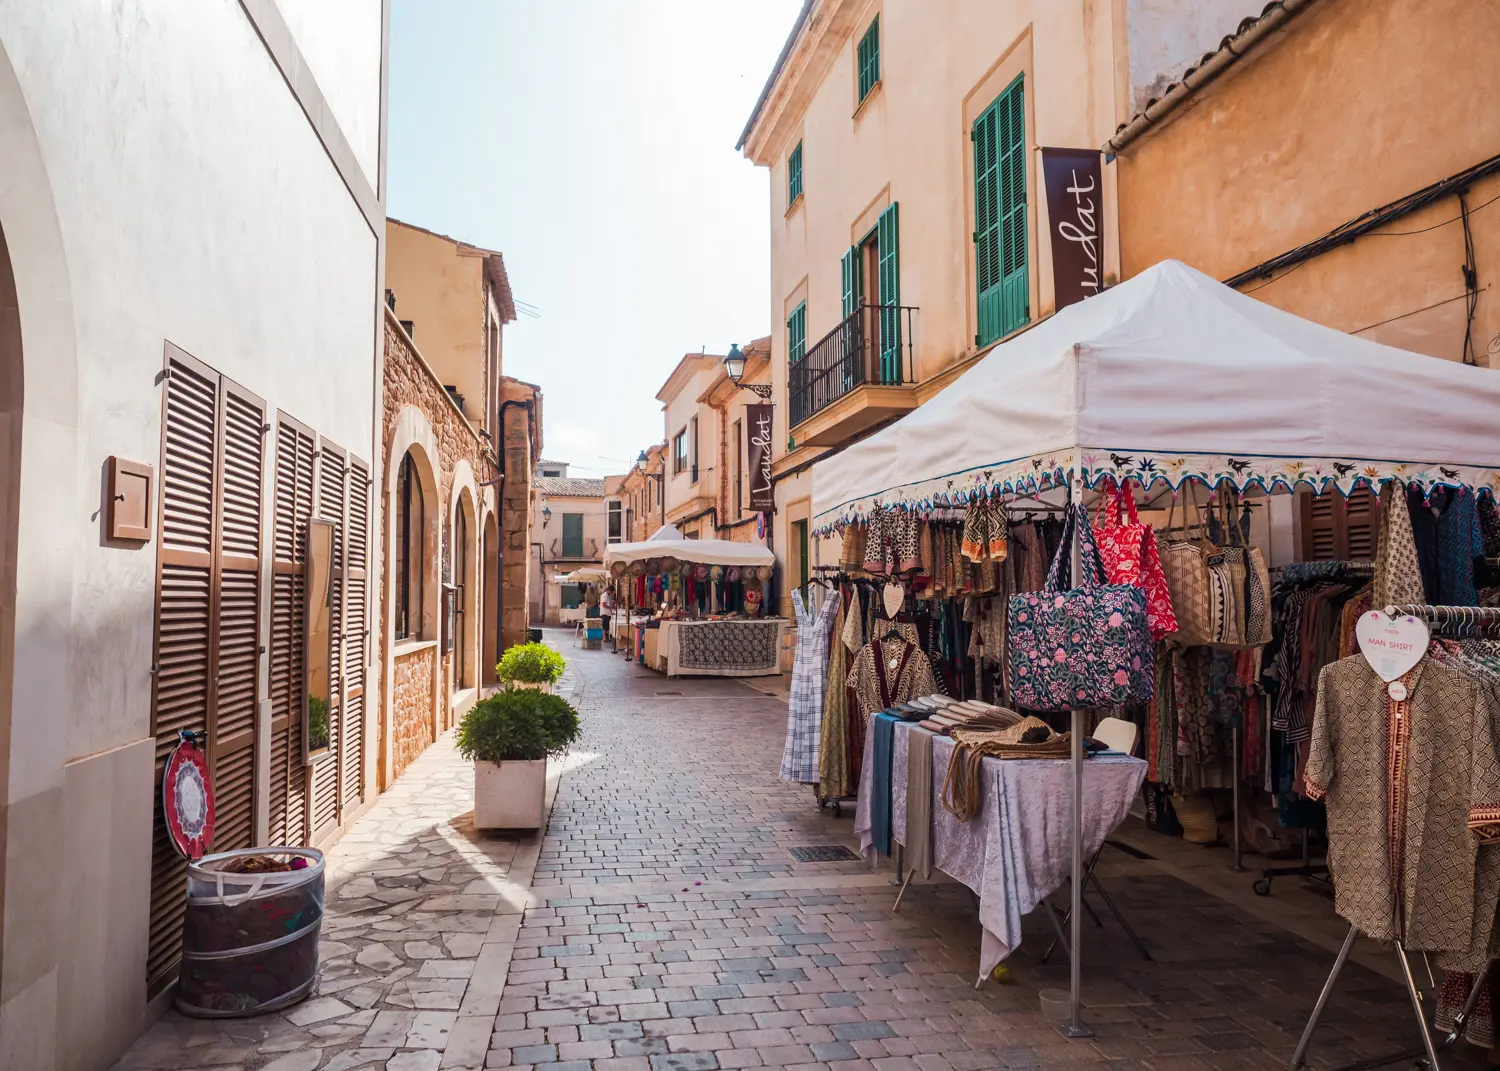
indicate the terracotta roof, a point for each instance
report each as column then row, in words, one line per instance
column 569, row 487
column 1250, row 32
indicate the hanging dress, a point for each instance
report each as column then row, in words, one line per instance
column 804, row 721
column 833, row 755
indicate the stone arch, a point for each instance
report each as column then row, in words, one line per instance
column 38, row 467
column 489, row 632
column 412, row 434
column 464, row 506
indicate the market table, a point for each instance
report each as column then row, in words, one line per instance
column 1018, row 849
column 740, row 647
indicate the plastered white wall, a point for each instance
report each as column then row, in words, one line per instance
column 340, row 40
column 158, row 182
column 1166, row 37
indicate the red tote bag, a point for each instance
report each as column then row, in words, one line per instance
column 1128, row 549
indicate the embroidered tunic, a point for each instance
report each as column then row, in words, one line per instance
column 804, row 722
column 890, row 671
column 1412, row 786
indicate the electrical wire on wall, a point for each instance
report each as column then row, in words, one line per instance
column 1471, row 279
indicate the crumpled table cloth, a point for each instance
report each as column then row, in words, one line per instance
column 1018, row 849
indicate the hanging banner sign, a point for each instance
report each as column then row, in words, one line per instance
column 1075, row 217
column 762, row 491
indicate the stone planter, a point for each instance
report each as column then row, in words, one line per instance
column 536, row 686
column 510, row 795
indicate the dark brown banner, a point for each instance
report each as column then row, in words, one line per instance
column 1075, row 217
column 762, row 493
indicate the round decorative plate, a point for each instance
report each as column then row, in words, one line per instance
column 187, row 799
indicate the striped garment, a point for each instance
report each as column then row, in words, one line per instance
column 804, row 719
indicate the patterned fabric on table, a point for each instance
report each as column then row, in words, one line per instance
column 728, row 645
column 1412, row 786
column 804, row 721
column 1086, row 647
column 1017, row 850
column 1128, row 550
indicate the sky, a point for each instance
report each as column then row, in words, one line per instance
column 591, row 142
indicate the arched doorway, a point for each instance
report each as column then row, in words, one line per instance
column 489, row 606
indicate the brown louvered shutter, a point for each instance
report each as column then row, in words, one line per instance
column 1332, row 529
column 237, row 672
column 184, row 622
column 295, row 446
column 331, row 506
column 356, row 635
column 208, row 610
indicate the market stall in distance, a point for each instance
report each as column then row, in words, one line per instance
column 1176, row 390
column 693, row 607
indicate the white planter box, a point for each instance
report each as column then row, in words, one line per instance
column 510, row 795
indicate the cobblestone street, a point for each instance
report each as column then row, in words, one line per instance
column 662, row 925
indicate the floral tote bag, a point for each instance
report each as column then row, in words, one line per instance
column 1128, row 550
column 1085, row 647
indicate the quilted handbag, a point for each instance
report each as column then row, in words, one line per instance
column 1087, row 647
column 1128, row 550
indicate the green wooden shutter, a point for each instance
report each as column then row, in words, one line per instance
column 794, row 175
column 851, row 280
column 999, row 137
column 889, row 249
column 572, row 542
column 869, row 59
column 796, row 333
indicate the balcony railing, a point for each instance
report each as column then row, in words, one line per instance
column 872, row 347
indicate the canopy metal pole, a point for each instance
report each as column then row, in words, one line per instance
column 1075, row 1027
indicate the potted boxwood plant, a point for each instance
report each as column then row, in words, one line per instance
column 530, row 665
column 508, row 737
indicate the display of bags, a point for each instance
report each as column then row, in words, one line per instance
column 1185, row 564
column 1085, row 647
column 1128, row 550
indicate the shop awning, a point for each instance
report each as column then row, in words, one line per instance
column 590, row 574
column 697, row 551
column 1168, row 376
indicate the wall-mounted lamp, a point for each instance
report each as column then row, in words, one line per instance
column 546, row 515
column 734, row 368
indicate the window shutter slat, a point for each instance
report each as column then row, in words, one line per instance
column 1014, row 281
column 331, row 505
column 356, row 594
column 236, row 669
column 888, row 238
column 850, row 277
column 295, row 446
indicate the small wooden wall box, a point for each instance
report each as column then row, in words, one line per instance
column 130, row 486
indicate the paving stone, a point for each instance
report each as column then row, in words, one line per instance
column 423, row 1060
column 305, row 1060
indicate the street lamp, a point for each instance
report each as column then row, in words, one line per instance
column 659, row 477
column 734, row 368
column 546, row 515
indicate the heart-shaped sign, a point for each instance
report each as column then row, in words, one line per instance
column 1392, row 646
column 894, row 597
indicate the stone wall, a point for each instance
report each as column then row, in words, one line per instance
column 522, row 424
column 411, row 707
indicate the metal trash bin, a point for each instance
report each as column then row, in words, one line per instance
column 250, row 940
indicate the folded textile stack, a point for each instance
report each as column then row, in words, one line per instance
column 944, row 714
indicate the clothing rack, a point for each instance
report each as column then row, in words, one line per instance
column 1441, row 615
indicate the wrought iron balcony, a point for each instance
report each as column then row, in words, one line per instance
column 872, row 347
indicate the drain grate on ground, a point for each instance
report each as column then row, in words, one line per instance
column 821, row 853
column 668, row 693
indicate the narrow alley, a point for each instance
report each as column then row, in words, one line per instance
column 663, row 925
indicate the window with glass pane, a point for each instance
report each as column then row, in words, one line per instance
column 572, row 538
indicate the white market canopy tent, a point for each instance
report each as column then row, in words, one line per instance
column 668, row 543
column 589, row 574
column 1168, row 376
